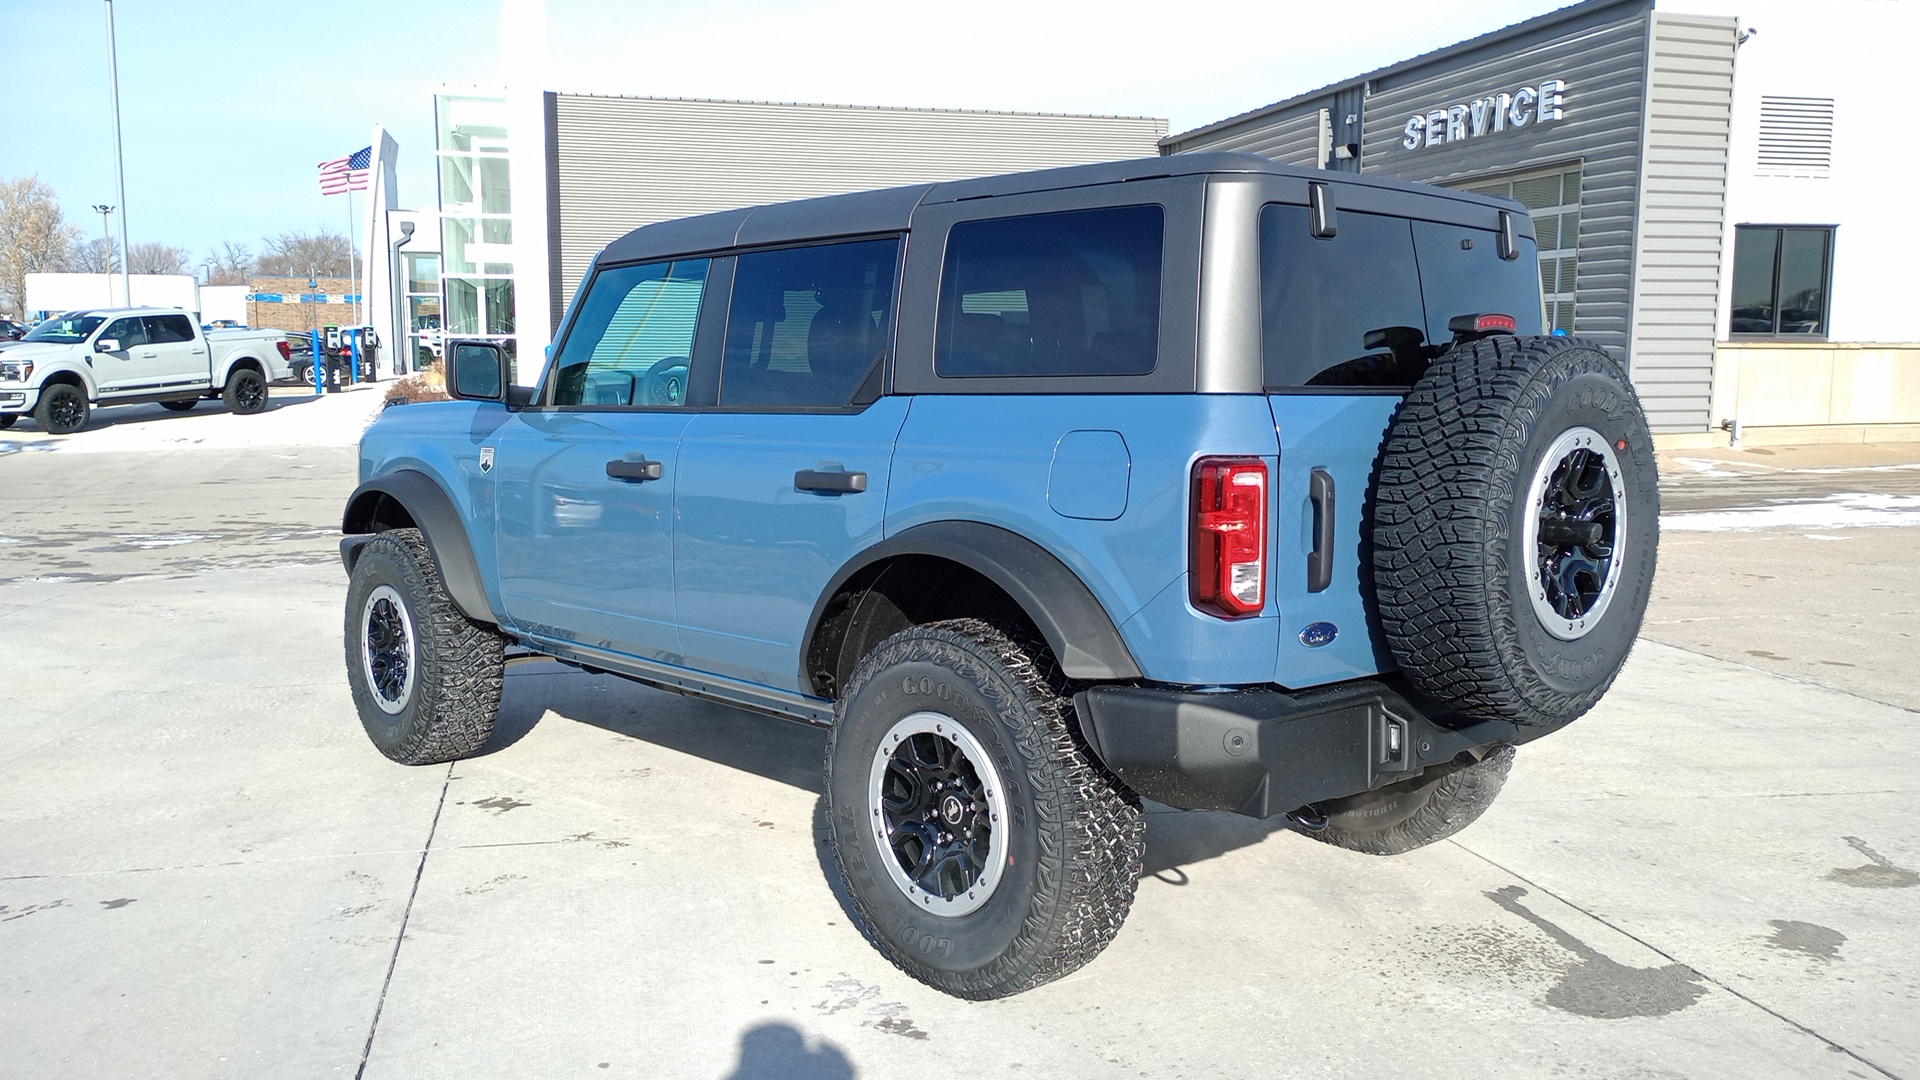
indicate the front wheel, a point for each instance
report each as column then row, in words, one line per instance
column 425, row 678
column 984, row 850
column 246, row 392
column 62, row 409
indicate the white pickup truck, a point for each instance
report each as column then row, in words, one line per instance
column 125, row 356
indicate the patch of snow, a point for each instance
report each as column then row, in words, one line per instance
column 1845, row 511
column 294, row 417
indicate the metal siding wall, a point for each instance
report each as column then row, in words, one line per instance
column 1604, row 66
column 627, row 162
column 1682, row 218
column 1290, row 139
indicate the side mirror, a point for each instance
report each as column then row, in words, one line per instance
column 480, row 372
column 107, row 344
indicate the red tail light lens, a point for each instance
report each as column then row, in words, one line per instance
column 1230, row 536
column 286, row 350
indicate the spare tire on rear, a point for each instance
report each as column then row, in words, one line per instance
column 1515, row 527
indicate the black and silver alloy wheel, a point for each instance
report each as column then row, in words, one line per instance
column 1576, row 526
column 938, row 806
column 390, row 653
column 426, row 679
column 983, row 850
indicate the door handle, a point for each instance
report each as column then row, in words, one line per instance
column 638, row 471
column 1320, row 559
column 838, row 483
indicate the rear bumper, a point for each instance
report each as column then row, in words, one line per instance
column 1265, row 751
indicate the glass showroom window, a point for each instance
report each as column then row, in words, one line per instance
column 1782, row 275
column 1553, row 201
column 476, row 203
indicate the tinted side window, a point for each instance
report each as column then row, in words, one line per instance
column 130, row 332
column 807, row 324
column 630, row 343
column 1320, row 299
column 168, row 329
column 1462, row 273
column 1074, row 293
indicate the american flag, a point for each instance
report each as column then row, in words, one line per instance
column 349, row 173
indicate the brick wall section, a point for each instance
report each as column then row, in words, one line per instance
column 292, row 315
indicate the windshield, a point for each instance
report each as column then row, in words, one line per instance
column 67, row 329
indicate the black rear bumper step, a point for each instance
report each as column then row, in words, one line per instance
column 1265, row 751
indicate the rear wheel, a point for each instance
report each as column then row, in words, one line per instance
column 984, row 850
column 425, row 678
column 62, row 409
column 246, row 392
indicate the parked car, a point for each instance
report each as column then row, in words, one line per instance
column 1230, row 485
column 123, row 356
column 11, row 331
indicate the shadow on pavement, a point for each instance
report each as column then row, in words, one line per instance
column 794, row 754
column 109, row 416
column 779, row 1051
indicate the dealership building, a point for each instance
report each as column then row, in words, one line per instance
column 1717, row 190
column 532, row 185
column 1718, row 196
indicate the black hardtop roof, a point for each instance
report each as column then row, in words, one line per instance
column 891, row 209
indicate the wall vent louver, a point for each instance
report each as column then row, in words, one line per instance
column 1796, row 136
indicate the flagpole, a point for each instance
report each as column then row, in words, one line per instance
column 351, row 269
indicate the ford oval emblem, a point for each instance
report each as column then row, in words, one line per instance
column 1320, row 633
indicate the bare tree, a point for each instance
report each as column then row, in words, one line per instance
column 152, row 257
column 94, row 256
column 228, row 264
column 34, row 237
column 295, row 254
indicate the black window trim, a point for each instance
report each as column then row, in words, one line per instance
column 1779, row 253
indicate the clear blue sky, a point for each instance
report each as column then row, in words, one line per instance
column 227, row 106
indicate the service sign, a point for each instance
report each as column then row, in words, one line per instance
column 1496, row 112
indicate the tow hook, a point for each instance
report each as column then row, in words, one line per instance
column 1309, row 817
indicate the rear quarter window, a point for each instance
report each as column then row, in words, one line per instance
column 1462, row 273
column 1320, row 298
column 1072, row 293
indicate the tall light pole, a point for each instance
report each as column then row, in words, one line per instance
column 106, row 234
column 119, row 165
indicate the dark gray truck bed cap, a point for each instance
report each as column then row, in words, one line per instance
column 891, row 209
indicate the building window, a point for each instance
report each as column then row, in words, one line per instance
column 1553, row 200
column 1781, row 276
column 476, row 204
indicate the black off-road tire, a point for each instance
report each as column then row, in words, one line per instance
column 1076, row 839
column 1417, row 812
column 62, row 409
column 457, row 666
column 1455, row 582
column 180, row 406
column 246, row 392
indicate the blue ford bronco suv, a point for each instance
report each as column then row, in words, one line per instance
column 1197, row 479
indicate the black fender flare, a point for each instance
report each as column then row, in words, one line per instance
column 1078, row 629
column 434, row 515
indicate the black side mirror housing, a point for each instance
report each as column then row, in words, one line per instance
column 479, row 371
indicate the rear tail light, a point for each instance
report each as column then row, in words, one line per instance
column 286, row 350
column 1230, row 536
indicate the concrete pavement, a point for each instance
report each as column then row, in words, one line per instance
column 206, row 870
